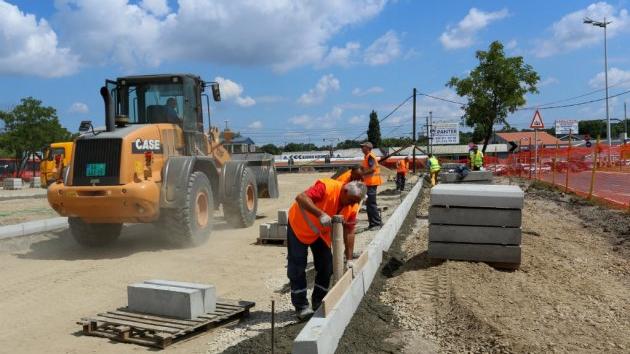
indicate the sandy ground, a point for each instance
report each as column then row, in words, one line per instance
column 18, row 210
column 571, row 293
column 49, row 282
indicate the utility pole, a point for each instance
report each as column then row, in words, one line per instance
column 431, row 132
column 604, row 25
column 414, row 130
column 625, row 118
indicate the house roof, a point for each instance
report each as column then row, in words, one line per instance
column 447, row 149
column 543, row 137
column 241, row 140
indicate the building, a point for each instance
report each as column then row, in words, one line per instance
column 240, row 145
column 526, row 139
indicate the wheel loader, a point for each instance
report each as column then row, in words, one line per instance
column 154, row 163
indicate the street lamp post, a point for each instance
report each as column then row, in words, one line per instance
column 604, row 25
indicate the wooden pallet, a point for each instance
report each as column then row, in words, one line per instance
column 124, row 325
column 271, row 241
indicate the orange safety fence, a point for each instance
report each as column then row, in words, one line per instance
column 599, row 172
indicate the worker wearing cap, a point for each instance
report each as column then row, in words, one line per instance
column 476, row 158
column 310, row 226
column 434, row 169
column 372, row 179
column 351, row 174
column 402, row 167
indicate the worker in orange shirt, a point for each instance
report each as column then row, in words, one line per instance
column 372, row 179
column 352, row 174
column 402, row 167
column 310, row 226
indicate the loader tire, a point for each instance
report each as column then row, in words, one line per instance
column 191, row 224
column 272, row 185
column 93, row 235
column 240, row 211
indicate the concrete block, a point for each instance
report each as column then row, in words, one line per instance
column 33, row 227
column 451, row 166
column 9, row 231
column 263, row 230
column 282, row 231
column 475, row 216
column 477, row 196
column 273, row 229
column 36, row 182
column 208, row 291
column 475, row 252
column 165, row 300
column 283, row 217
column 12, row 183
column 475, row 234
column 476, row 176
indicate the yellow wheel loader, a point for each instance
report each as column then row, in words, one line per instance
column 154, row 163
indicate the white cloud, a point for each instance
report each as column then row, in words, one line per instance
column 369, row 91
column 356, row 120
column 232, row 91
column 548, row 81
column 383, row 50
column 156, row 7
column 616, row 77
column 512, row 44
column 341, row 56
column 463, row 35
column 241, row 32
column 318, row 93
column 78, row 107
column 269, row 99
column 328, row 120
column 30, row 47
column 255, row 125
column 570, row 32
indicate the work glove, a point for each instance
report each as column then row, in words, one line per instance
column 325, row 220
column 349, row 265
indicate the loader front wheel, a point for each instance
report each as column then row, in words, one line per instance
column 93, row 235
column 240, row 211
column 191, row 224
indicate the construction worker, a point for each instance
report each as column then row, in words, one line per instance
column 351, row 174
column 476, row 158
column 372, row 179
column 310, row 226
column 402, row 167
column 434, row 169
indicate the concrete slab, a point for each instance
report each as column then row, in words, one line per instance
column 263, row 230
column 12, row 183
column 475, row 216
column 282, row 231
column 31, row 227
column 208, row 291
column 451, row 166
column 452, row 177
column 283, row 217
column 273, row 229
column 475, row 252
column 478, row 196
column 165, row 300
column 475, row 234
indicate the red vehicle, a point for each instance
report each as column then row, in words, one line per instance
column 8, row 168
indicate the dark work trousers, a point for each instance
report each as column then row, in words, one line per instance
column 374, row 217
column 400, row 181
column 297, row 254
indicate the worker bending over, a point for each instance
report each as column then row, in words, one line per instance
column 434, row 169
column 402, row 167
column 476, row 158
column 372, row 179
column 352, row 174
column 310, row 226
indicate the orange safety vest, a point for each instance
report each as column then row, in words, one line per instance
column 375, row 178
column 345, row 177
column 306, row 226
column 401, row 167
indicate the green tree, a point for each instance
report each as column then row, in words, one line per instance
column 396, row 142
column 29, row 127
column 496, row 87
column 348, row 144
column 374, row 130
column 292, row 147
column 270, row 149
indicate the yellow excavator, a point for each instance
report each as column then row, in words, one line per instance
column 56, row 156
column 154, row 163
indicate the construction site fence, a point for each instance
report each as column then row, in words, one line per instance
column 599, row 172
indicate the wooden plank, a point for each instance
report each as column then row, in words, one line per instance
column 141, row 321
column 155, row 318
column 136, row 324
column 360, row 263
column 123, row 332
column 134, row 340
column 334, row 294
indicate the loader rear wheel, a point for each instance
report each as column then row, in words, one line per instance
column 241, row 210
column 191, row 224
column 93, row 235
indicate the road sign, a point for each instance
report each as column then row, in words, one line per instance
column 564, row 126
column 513, row 146
column 445, row 133
column 537, row 121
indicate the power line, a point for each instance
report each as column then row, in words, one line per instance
column 387, row 116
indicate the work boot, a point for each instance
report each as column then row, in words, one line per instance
column 303, row 314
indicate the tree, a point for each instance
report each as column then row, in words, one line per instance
column 496, row 87
column 30, row 127
column 396, row 142
column 292, row 147
column 270, row 149
column 374, row 130
column 348, row 144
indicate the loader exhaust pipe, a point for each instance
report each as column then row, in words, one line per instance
column 109, row 109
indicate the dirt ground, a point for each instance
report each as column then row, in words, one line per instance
column 15, row 211
column 571, row 293
column 49, row 282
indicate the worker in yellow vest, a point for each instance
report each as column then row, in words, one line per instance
column 434, row 169
column 310, row 226
column 372, row 179
column 402, row 167
column 476, row 158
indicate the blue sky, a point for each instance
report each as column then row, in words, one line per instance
column 307, row 71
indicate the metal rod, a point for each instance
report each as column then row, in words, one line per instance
column 590, row 190
column 338, row 245
column 566, row 177
column 273, row 326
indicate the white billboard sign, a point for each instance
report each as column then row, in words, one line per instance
column 563, row 126
column 445, row 133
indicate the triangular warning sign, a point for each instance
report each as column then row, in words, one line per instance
column 537, row 122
